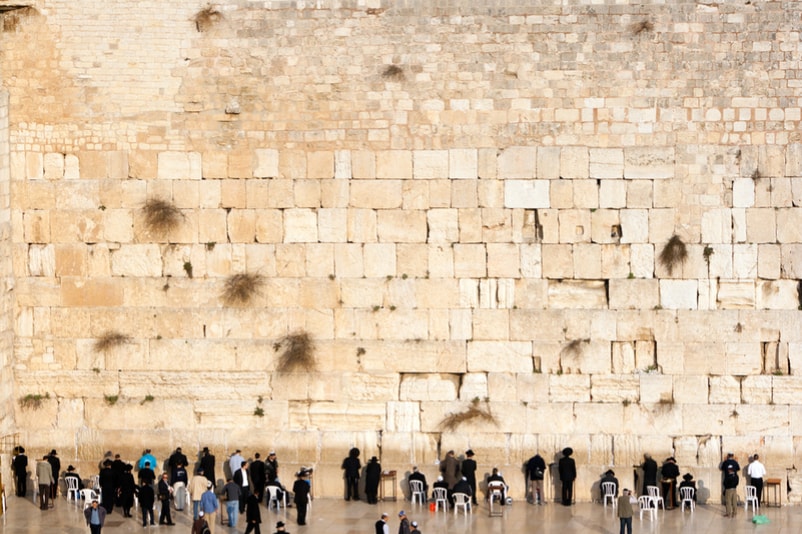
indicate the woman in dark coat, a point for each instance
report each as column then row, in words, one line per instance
column 373, row 474
column 352, row 466
column 127, row 485
column 252, row 514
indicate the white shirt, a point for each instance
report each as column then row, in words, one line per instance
column 756, row 470
column 235, row 462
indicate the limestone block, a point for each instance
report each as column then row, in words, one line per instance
column 785, row 389
column 42, row 260
column 402, row 417
column 307, row 194
column 691, row 389
column 633, row 294
column 724, row 390
column 342, row 164
column 394, row 164
column 320, row 164
column 179, row 166
column 362, row 226
column 655, row 388
column 503, row 387
column 777, row 295
column 503, row 260
column 440, row 261
column 531, row 261
column 443, row 225
column 586, row 356
column 415, row 356
column 487, row 324
column 379, row 260
column 300, row 226
column 574, row 162
column 623, row 357
column 490, row 194
column 548, row 162
column 716, row 225
column 53, row 166
column 292, row 164
column 402, row 324
column 361, row 293
column 605, row 226
column 549, row 228
column 558, row 262
column 137, row 260
column 649, row 162
column 606, row 163
column 612, row 194
column 512, row 356
column 594, row 417
column 793, row 160
column 791, row 260
column 703, row 419
column 678, row 294
column 573, row 294
column 743, row 193
column 641, row 258
column 614, row 388
column 430, row 164
column 470, row 225
column 769, row 261
column 363, row 164
column 733, row 294
column 569, row 388
column 760, row 225
column 474, row 386
column 634, row 225
column 640, row 194
column 743, row 358
column 376, row 194
column 531, row 194
column 464, row 194
column 744, row 260
column 428, row 294
column 574, row 226
column 36, row 226
column 401, row 226
column 74, row 225
column 429, row 387
column 337, row 415
column 470, row 261
column 265, row 163
column 756, row 389
column 788, row 229
column 561, row 194
column 332, row 225
column 463, row 163
column 765, row 420
column 531, row 388
column 517, row 162
column 587, row 261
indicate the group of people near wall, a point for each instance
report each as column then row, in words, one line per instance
column 247, row 482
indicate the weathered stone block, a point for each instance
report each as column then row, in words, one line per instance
column 463, row 163
column 614, row 388
column 574, row 162
column 517, row 162
column 394, row 164
column 571, row 294
column 649, row 162
column 569, row 388
column 430, row 164
column 429, row 387
column 515, row 357
column 531, row 194
column 376, row 194
column 606, row 163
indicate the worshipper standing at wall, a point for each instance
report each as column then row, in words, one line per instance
column 235, row 461
column 730, row 461
column 730, row 492
column 20, row 466
column 669, row 473
column 756, row 472
column 147, row 458
column 625, row 512
column 231, row 493
column 536, row 471
column 207, row 461
column 567, row 470
column 301, row 490
column 258, row 476
column 108, row 486
column 271, row 467
column 449, row 468
column 55, row 466
column 95, row 517
column 649, row 467
column 44, row 472
column 468, row 470
column 373, row 475
column 352, row 466
column 127, row 488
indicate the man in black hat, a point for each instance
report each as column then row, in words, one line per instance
column 567, row 470
column 20, row 465
column 72, row 474
column 55, row 467
column 468, row 470
column 207, row 465
column 280, row 528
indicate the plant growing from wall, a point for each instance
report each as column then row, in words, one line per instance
column 297, row 353
column 673, row 254
column 111, row 339
column 706, row 253
column 474, row 412
column 638, row 28
column 161, row 216
column 241, row 288
column 111, row 400
column 188, row 268
column 206, row 18
column 148, row 398
column 33, row 401
column 393, row 72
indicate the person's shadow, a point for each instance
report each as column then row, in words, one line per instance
column 702, row 492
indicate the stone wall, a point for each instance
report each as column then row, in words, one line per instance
column 579, row 221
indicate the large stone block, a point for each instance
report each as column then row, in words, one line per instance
column 571, row 294
column 513, row 356
column 634, row 294
column 463, row 163
column 649, row 162
column 394, row 164
column 615, row 388
column 574, row 162
column 430, row 164
column 530, row 194
column 517, row 162
column 606, row 163
column 429, row 387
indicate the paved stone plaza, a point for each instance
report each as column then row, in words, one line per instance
column 335, row 516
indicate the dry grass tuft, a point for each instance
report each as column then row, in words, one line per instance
column 674, row 254
column 394, row 72
column 241, row 288
column 298, row 353
column 206, row 19
column 161, row 216
column 473, row 412
column 111, row 339
column 33, row 401
column 638, row 28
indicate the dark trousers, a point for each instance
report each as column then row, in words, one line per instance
column 53, row 491
column 244, row 492
column 44, row 496
column 758, row 484
column 568, row 492
column 626, row 523
column 147, row 512
column 472, row 484
column 301, row 506
column 253, row 527
column 669, row 486
column 164, row 516
column 22, row 485
column 94, row 529
column 352, row 488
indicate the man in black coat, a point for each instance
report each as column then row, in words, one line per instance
column 165, row 496
column 420, row 477
column 352, row 466
column 649, row 472
column 468, row 470
column 176, row 459
column 536, row 471
column 567, row 470
column 146, row 500
column 20, row 465
column 243, row 479
column 301, row 490
column 108, row 487
column 207, row 464
column 258, row 476
column 253, row 517
column 669, row 473
column 55, row 466
column 373, row 473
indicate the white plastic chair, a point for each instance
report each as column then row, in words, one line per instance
column 440, row 496
column 273, row 498
column 647, row 504
column 89, row 495
column 686, row 496
column 495, row 492
column 654, row 494
column 751, row 497
column 463, row 500
column 416, row 491
column 608, row 492
column 72, row 488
